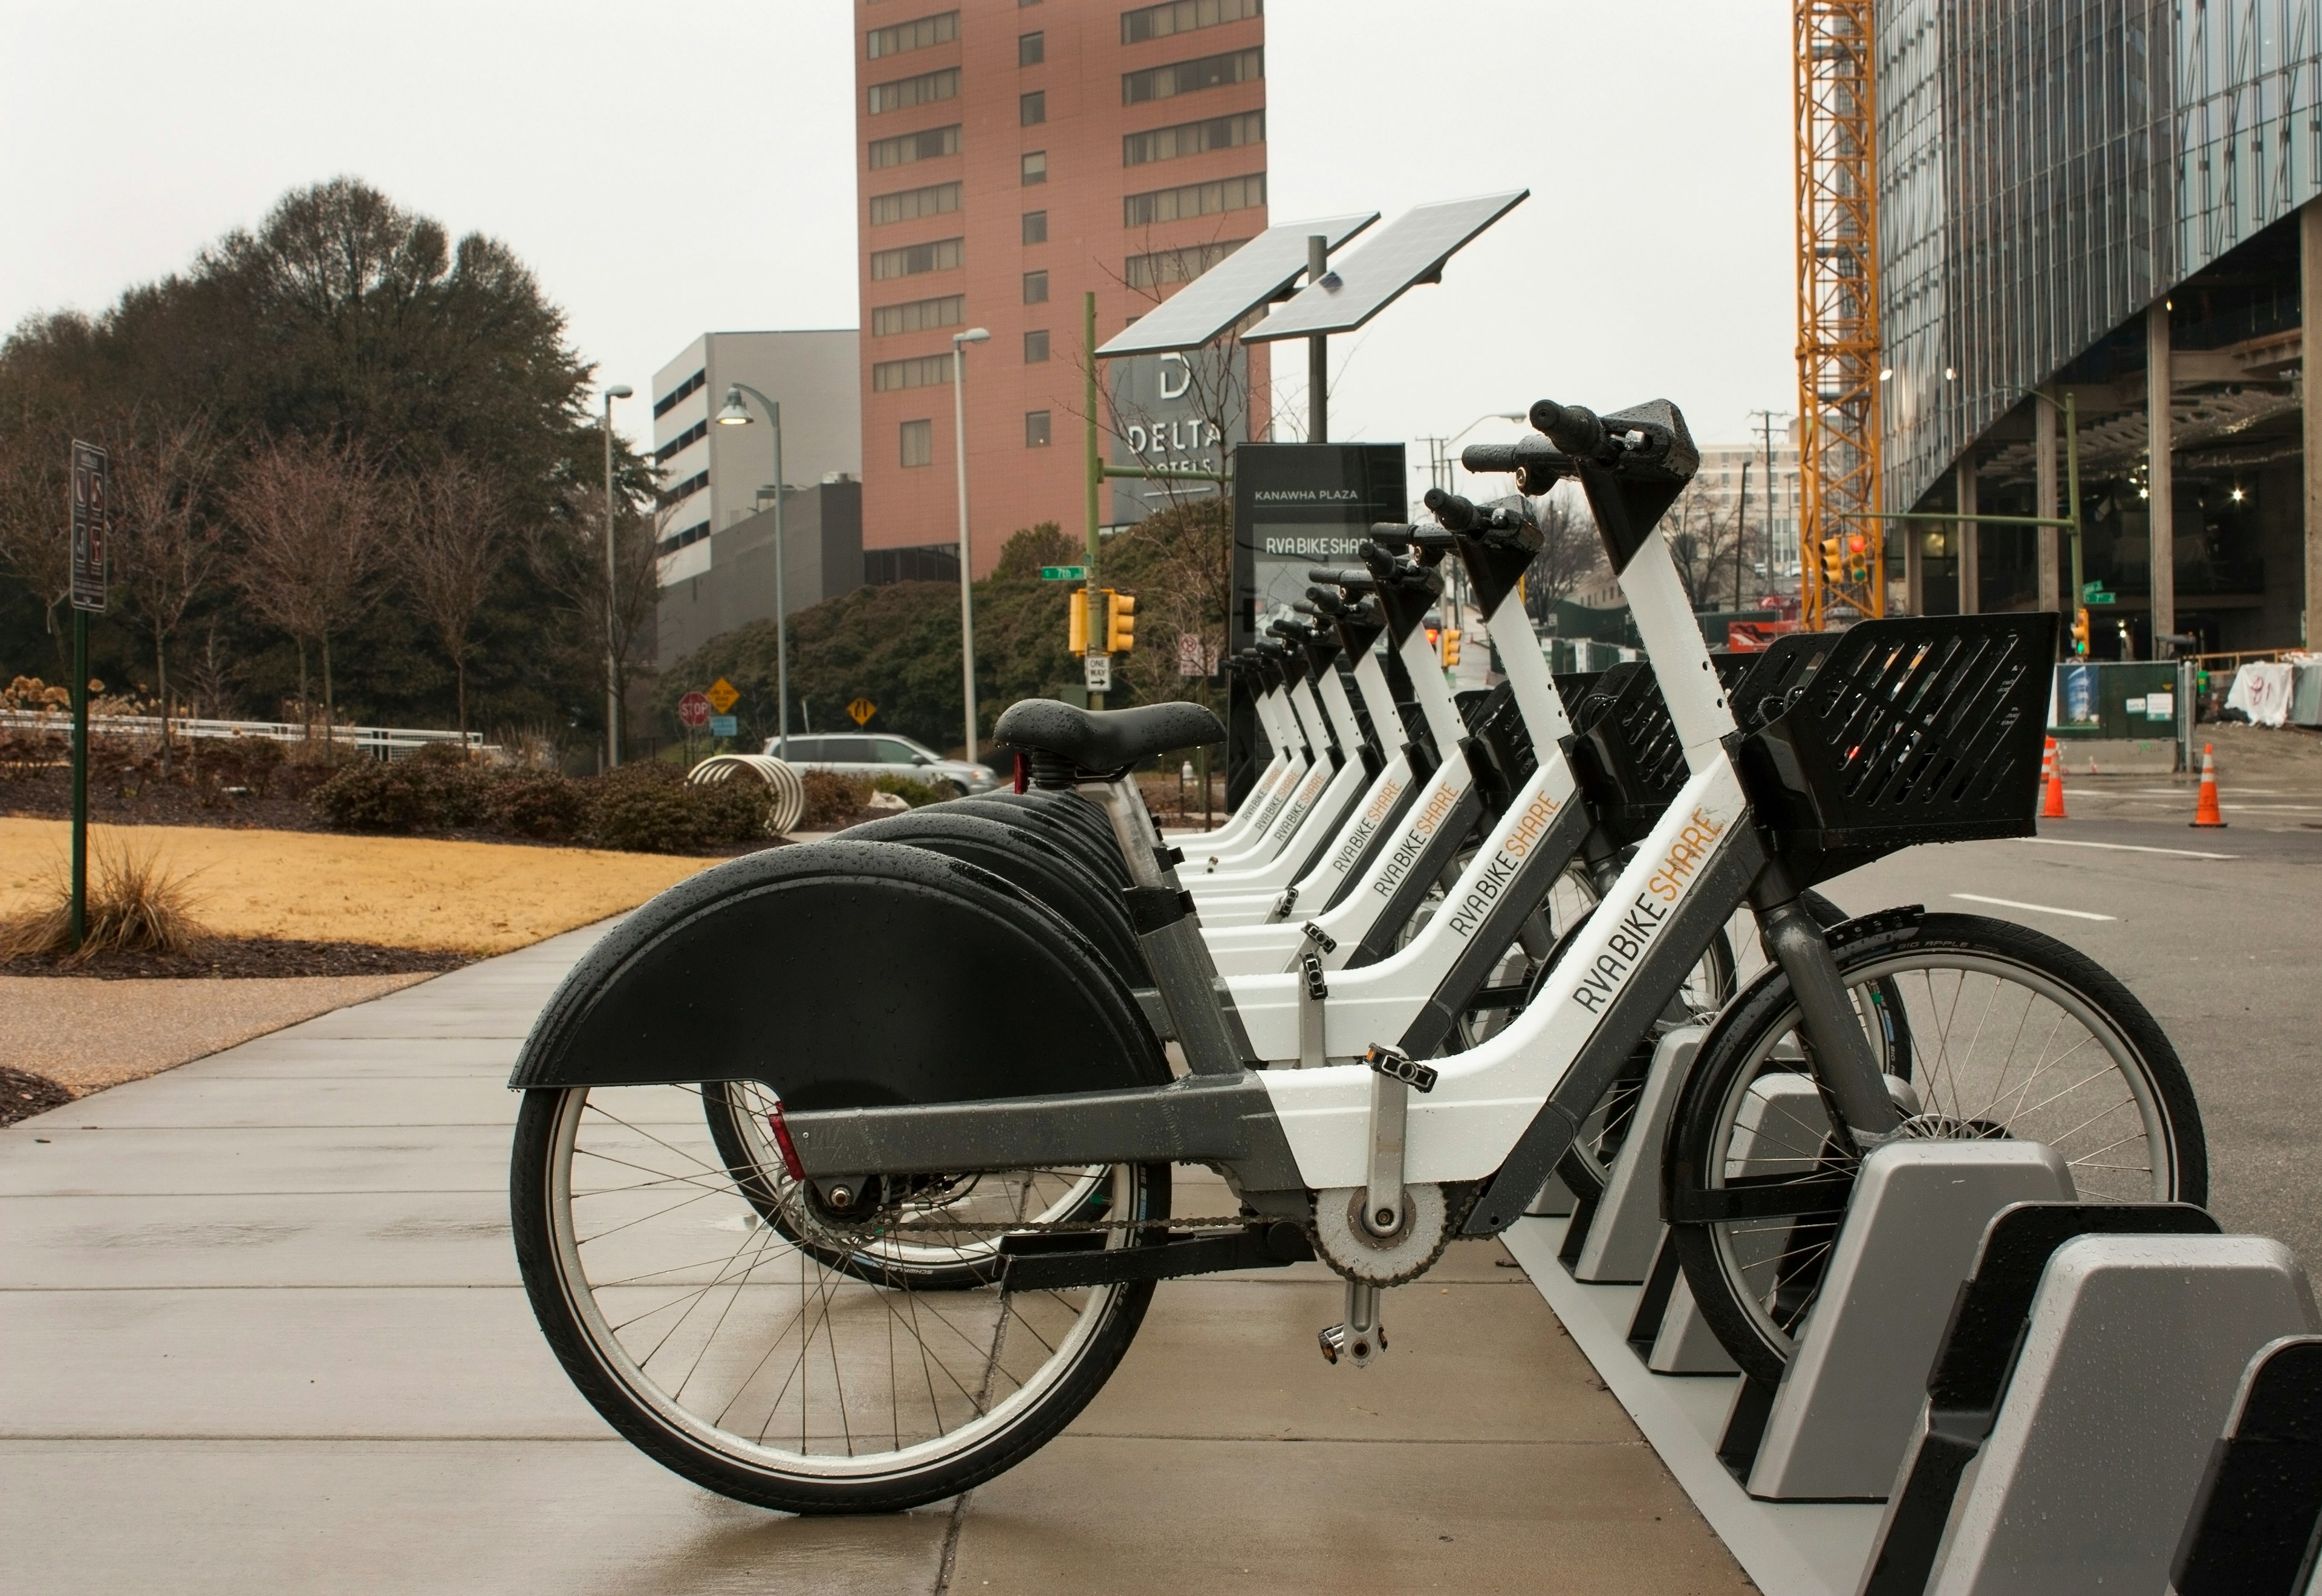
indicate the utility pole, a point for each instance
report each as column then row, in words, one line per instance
column 1766, row 526
column 1095, row 471
column 612, row 595
column 1740, row 528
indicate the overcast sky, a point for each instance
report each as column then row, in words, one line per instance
column 668, row 168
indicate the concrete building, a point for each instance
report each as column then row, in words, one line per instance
column 2116, row 200
column 1731, row 469
column 1014, row 156
column 711, row 475
column 822, row 528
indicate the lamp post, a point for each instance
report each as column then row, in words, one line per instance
column 612, row 593
column 733, row 412
column 959, row 342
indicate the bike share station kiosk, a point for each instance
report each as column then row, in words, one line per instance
column 1296, row 507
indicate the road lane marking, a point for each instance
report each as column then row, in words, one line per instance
column 2037, row 908
column 2124, row 848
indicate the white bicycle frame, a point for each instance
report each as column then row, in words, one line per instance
column 1309, row 730
column 1323, row 800
column 1266, row 795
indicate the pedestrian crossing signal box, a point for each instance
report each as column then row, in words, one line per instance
column 1296, row 507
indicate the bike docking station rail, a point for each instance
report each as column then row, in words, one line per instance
column 2001, row 1391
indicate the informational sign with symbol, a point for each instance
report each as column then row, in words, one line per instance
column 1064, row 573
column 861, row 709
column 724, row 725
column 1099, row 672
column 693, row 709
column 90, row 523
column 723, row 695
column 1195, row 657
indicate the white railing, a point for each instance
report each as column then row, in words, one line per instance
column 378, row 741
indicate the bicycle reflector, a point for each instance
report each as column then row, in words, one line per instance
column 782, row 1143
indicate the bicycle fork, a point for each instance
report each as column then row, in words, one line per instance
column 1838, row 1052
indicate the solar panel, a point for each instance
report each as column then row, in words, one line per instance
column 1232, row 289
column 1411, row 248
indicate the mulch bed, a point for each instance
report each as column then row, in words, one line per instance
column 23, row 1094
column 236, row 958
column 47, row 794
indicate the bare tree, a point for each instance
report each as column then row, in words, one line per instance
column 35, row 523
column 163, row 542
column 314, row 536
column 1702, row 531
column 451, row 532
column 1570, row 552
column 567, row 554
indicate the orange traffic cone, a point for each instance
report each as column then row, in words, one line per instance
column 2207, row 813
column 2051, row 772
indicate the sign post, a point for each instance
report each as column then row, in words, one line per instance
column 90, row 524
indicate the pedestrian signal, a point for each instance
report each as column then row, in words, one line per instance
column 1120, row 621
column 1076, row 621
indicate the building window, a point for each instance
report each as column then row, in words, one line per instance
column 920, row 315
column 1192, row 138
column 681, row 443
column 1031, row 48
column 1195, row 199
column 926, row 89
column 1036, row 346
column 914, row 259
column 682, row 491
column 1035, row 429
column 913, row 203
column 1035, row 288
column 1036, row 166
column 917, row 35
column 1177, row 266
column 1032, row 109
column 681, row 539
column 906, row 148
column 919, row 443
column 669, row 400
column 926, row 371
column 1182, row 77
column 1035, row 227
column 1183, row 17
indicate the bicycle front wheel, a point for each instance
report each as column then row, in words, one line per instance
column 1986, row 1029
column 790, row 1361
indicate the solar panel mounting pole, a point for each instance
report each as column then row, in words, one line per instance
column 1317, row 349
column 1095, row 471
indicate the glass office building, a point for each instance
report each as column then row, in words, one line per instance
column 2072, row 195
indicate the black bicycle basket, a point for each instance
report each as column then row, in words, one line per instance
column 1897, row 732
column 1625, row 752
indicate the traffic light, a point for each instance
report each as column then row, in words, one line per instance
column 1076, row 621
column 1450, row 648
column 1120, row 621
column 1858, row 558
column 1834, row 561
column 2080, row 631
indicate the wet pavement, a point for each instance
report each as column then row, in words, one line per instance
column 265, row 1333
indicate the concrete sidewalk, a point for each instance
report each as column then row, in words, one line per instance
column 264, row 1333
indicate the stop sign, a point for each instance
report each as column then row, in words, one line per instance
column 693, row 709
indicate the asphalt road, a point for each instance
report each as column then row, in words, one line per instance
column 2227, row 952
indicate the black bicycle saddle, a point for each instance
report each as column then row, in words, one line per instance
column 1106, row 739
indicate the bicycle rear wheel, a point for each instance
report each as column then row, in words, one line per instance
column 779, row 1362
column 1986, row 1030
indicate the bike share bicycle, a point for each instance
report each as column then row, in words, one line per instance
column 749, row 1365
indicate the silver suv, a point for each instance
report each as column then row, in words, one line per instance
column 884, row 754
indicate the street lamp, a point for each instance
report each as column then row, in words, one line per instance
column 736, row 414
column 959, row 342
column 612, row 592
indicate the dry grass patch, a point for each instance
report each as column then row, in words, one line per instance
column 411, row 892
column 139, row 901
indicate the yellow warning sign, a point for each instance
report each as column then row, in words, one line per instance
column 861, row 709
column 723, row 695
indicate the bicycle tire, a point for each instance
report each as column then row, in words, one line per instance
column 1747, row 1294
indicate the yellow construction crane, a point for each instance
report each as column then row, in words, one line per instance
column 1841, row 552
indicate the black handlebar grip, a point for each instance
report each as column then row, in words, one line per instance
column 1571, row 427
column 1326, row 600
column 1454, row 513
column 1480, row 458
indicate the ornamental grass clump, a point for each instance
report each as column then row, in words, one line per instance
column 139, row 902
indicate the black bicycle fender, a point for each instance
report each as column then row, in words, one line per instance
column 844, row 975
